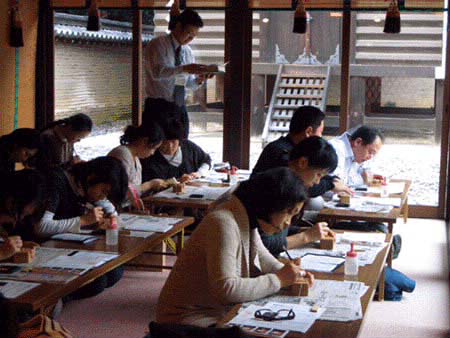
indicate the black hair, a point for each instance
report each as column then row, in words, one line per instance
column 21, row 188
column 22, row 138
column 104, row 169
column 190, row 17
column 367, row 134
column 304, row 117
column 152, row 131
column 319, row 153
column 271, row 191
column 173, row 129
column 78, row 123
column 158, row 110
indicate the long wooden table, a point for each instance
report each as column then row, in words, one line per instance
column 128, row 248
column 334, row 215
column 369, row 275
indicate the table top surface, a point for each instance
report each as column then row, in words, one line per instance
column 326, row 213
column 127, row 249
column 369, row 275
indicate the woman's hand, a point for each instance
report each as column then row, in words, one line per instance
column 11, row 246
column 93, row 216
column 318, row 232
column 289, row 273
column 189, row 177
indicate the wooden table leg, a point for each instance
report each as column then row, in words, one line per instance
column 381, row 285
column 405, row 211
column 180, row 241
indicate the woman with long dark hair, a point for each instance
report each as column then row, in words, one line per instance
column 139, row 143
column 58, row 139
column 18, row 147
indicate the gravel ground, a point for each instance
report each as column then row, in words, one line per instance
column 412, row 160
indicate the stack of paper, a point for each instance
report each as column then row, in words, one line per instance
column 13, row 289
column 320, row 263
column 147, row 223
column 77, row 238
column 363, row 238
column 340, row 299
column 203, row 193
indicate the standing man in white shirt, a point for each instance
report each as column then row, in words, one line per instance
column 170, row 67
column 355, row 151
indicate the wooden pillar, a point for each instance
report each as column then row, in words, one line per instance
column 238, row 52
column 136, row 103
column 345, row 70
column 444, row 182
column 45, row 66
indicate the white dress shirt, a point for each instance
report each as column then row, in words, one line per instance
column 348, row 170
column 160, row 70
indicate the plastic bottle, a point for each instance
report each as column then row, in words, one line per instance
column 112, row 232
column 351, row 262
column 384, row 189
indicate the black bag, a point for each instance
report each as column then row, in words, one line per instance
column 188, row 331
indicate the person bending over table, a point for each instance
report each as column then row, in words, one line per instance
column 311, row 160
column 71, row 196
column 225, row 262
column 139, row 143
column 22, row 194
column 176, row 157
column 18, row 146
column 58, row 139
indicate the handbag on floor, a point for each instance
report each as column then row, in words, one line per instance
column 42, row 326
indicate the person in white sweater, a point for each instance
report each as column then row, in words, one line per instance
column 139, row 143
column 225, row 262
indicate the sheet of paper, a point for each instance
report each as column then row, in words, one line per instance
column 364, row 238
column 320, row 263
column 303, row 320
column 340, row 299
column 80, row 261
column 147, row 223
column 13, row 289
column 75, row 238
column 393, row 188
column 141, row 234
column 384, row 201
column 207, row 193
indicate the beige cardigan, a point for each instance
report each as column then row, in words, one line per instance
column 214, row 270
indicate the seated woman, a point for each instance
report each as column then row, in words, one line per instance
column 136, row 143
column 22, row 194
column 225, row 262
column 72, row 193
column 58, row 139
column 19, row 146
column 176, row 157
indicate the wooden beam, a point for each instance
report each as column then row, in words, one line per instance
column 136, row 111
column 345, row 71
column 237, row 96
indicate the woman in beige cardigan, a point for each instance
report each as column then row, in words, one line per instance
column 225, row 262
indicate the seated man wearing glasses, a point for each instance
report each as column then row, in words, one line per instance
column 355, row 151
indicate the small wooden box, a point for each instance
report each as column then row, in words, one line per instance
column 179, row 188
column 300, row 288
column 328, row 243
column 344, row 199
column 25, row 255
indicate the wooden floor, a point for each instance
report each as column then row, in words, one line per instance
column 126, row 309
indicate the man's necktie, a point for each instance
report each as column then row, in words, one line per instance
column 179, row 91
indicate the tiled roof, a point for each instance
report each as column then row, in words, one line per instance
column 104, row 35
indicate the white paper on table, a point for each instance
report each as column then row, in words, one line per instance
column 357, row 204
column 79, row 260
column 392, row 187
column 341, row 299
column 386, row 201
column 320, row 263
column 364, row 238
column 147, row 223
column 13, row 289
column 303, row 320
column 207, row 193
column 43, row 255
column 140, row 234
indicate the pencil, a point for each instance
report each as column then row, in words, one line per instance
column 287, row 253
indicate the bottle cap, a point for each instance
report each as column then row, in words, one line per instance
column 352, row 252
column 113, row 225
